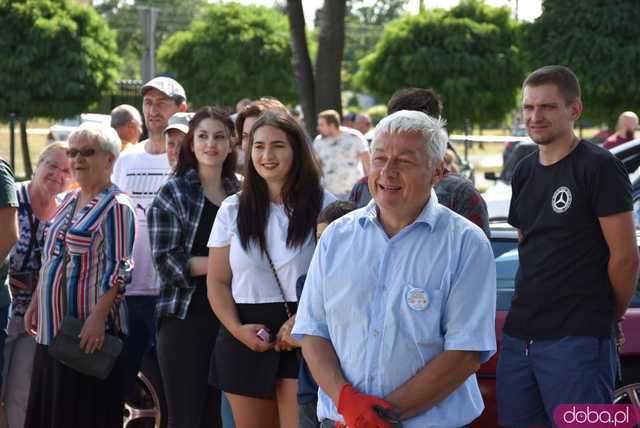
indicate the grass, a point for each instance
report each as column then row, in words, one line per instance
column 35, row 142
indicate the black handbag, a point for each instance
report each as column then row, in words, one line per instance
column 66, row 349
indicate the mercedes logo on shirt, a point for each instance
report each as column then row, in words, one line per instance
column 561, row 200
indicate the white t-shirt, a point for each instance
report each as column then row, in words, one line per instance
column 141, row 175
column 253, row 280
column 340, row 157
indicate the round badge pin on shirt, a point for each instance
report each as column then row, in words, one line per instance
column 417, row 299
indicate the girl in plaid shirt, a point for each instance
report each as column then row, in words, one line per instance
column 180, row 220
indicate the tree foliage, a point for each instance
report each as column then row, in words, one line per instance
column 600, row 42
column 232, row 52
column 57, row 58
column 122, row 17
column 469, row 54
column 364, row 25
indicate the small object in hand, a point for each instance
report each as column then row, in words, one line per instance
column 263, row 334
column 389, row 415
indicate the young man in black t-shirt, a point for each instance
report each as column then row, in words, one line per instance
column 572, row 207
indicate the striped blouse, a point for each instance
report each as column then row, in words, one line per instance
column 98, row 241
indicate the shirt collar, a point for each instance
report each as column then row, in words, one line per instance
column 428, row 215
column 230, row 186
column 192, row 177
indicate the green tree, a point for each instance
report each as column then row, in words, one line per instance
column 470, row 54
column 122, row 16
column 364, row 24
column 232, row 52
column 600, row 42
column 58, row 58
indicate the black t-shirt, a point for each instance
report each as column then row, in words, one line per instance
column 562, row 284
column 199, row 248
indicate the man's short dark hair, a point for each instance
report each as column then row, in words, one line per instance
column 427, row 101
column 559, row 75
column 332, row 117
column 335, row 210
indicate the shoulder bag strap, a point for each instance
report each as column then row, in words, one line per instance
column 275, row 274
column 33, row 226
column 33, row 230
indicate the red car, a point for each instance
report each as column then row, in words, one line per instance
column 504, row 242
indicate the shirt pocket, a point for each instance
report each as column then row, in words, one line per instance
column 79, row 242
column 421, row 312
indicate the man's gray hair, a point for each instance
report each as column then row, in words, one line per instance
column 106, row 137
column 123, row 114
column 414, row 122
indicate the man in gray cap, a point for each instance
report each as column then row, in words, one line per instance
column 174, row 135
column 127, row 122
column 140, row 172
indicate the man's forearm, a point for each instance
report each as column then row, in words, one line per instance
column 323, row 363
column 439, row 378
column 619, row 232
column 623, row 274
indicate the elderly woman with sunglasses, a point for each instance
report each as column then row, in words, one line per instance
column 86, row 260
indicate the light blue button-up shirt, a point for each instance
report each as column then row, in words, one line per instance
column 391, row 305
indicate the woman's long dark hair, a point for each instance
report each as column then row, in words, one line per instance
column 187, row 159
column 301, row 194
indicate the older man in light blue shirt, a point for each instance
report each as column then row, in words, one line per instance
column 398, row 308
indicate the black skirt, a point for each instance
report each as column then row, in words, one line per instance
column 60, row 397
column 237, row 369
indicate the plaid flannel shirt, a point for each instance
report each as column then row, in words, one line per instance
column 173, row 219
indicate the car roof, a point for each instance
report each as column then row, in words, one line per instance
column 95, row 117
column 501, row 229
column 629, row 154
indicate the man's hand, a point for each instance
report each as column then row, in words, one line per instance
column 284, row 340
column 358, row 409
column 620, row 339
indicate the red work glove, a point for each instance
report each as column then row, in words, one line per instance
column 357, row 409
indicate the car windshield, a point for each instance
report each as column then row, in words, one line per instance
column 519, row 152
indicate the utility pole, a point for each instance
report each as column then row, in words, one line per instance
column 148, row 19
column 515, row 9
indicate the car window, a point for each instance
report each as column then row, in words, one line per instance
column 501, row 246
column 519, row 152
column 70, row 121
column 506, row 269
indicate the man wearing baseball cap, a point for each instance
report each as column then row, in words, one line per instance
column 140, row 172
column 174, row 135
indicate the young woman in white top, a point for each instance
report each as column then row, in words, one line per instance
column 262, row 240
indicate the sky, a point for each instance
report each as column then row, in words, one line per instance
column 528, row 10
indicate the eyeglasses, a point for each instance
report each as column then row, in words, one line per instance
column 85, row 153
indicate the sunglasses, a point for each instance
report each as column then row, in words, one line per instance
column 85, row 153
